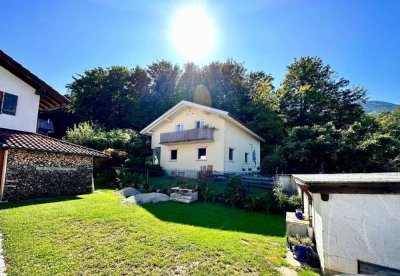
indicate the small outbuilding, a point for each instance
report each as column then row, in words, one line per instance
column 355, row 220
column 34, row 166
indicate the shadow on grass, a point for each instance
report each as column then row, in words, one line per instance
column 29, row 202
column 218, row 216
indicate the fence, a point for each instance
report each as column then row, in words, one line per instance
column 259, row 182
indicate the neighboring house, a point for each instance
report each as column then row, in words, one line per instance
column 355, row 220
column 191, row 137
column 33, row 165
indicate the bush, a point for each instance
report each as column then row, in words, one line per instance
column 285, row 202
column 106, row 177
column 263, row 202
column 236, row 194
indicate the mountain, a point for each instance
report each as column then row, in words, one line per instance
column 379, row 106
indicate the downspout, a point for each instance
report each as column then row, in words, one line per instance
column 3, row 174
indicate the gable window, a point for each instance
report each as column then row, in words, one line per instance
column 174, row 154
column 200, row 124
column 202, row 153
column 179, row 127
column 246, row 157
column 231, row 154
column 8, row 103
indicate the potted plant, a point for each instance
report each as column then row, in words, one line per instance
column 301, row 247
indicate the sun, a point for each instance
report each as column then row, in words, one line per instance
column 193, row 33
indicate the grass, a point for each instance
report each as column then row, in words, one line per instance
column 97, row 234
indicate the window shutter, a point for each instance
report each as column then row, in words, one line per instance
column 10, row 104
column 1, row 101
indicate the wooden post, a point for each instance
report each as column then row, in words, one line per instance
column 3, row 168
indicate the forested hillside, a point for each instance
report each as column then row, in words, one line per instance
column 313, row 122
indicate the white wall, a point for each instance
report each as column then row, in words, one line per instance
column 351, row 227
column 187, row 152
column 226, row 135
column 27, row 105
column 241, row 142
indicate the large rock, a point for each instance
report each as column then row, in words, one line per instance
column 146, row 198
column 128, row 191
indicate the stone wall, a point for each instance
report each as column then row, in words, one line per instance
column 34, row 174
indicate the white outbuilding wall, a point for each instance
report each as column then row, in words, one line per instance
column 352, row 227
column 27, row 106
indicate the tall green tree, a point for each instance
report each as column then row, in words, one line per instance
column 312, row 94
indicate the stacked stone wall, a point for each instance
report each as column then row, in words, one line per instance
column 35, row 174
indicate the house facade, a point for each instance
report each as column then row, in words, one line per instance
column 191, row 137
column 354, row 220
column 34, row 165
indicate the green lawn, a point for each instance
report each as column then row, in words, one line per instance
column 97, row 234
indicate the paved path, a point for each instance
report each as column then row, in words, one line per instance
column 2, row 262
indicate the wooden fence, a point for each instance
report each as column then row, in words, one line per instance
column 258, row 182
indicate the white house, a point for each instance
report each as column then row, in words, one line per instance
column 191, row 137
column 33, row 165
column 356, row 221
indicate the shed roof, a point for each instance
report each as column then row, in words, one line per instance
column 15, row 139
column 370, row 183
column 49, row 97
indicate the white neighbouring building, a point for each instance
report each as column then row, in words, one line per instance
column 356, row 220
column 191, row 137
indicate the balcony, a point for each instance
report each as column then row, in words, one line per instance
column 196, row 134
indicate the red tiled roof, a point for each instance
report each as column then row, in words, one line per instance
column 15, row 139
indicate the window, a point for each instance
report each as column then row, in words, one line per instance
column 200, row 124
column 230, row 154
column 179, row 127
column 174, row 154
column 201, row 153
column 8, row 103
column 246, row 157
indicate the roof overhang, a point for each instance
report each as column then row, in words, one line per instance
column 186, row 104
column 352, row 183
column 49, row 97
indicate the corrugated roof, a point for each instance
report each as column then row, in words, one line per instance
column 15, row 139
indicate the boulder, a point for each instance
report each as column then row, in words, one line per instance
column 128, row 191
column 146, row 198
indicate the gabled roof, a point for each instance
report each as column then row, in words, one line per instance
column 184, row 104
column 49, row 97
column 15, row 139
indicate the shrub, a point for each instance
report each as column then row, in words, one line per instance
column 236, row 194
column 263, row 202
column 285, row 202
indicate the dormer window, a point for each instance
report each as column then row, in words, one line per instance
column 8, row 103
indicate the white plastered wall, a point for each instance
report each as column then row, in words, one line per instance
column 187, row 152
column 241, row 142
column 27, row 106
column 351, row 227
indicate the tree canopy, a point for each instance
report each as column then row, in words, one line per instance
column 312, row 122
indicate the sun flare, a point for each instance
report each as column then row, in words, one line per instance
column 193, row 33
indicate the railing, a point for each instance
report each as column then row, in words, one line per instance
column 195, row 134
column 45, row 124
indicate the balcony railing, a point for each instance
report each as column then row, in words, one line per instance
column 196, row 134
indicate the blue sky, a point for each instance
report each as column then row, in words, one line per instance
column 57, row 39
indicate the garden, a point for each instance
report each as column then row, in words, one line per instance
column 97, row 234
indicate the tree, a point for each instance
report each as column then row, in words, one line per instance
column 311, row 94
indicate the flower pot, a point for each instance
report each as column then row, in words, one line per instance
column 299, row 214
column 301, row 252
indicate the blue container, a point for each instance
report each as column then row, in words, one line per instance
column 301, row 252
column 299, row 215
